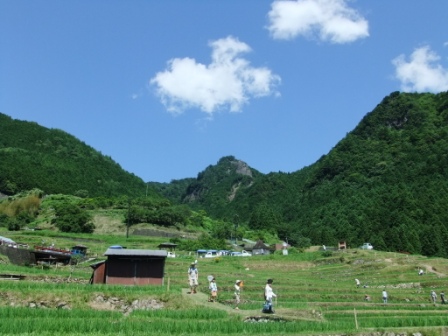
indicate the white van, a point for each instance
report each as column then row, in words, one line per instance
column 211, row 254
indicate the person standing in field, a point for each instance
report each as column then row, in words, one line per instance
column 358, row 283
column 213, row 287
column 269, row 295
column 433, row 297
column 193, row 276
column 442, row 297
column 238, row 285
column 384, row 296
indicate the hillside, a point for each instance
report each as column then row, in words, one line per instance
column 32, row 156
column 386, row 182
column 214, row 187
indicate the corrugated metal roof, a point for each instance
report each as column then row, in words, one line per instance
column 7, row 240
column 143, row 253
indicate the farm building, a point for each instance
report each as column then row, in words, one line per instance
column 79, row 250
column 167, row 246
column 130, row 267
column 260, row 248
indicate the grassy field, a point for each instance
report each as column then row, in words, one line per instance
column 317, row 294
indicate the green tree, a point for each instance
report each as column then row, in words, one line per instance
column 71, row 218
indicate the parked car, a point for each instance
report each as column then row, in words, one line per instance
column 246, row 254
column 211, row 254
column 366, row 246
column 241, row 254
column 171, row 255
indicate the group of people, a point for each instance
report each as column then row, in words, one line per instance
column 193, row 281
column 385, row 296
column 434, row 297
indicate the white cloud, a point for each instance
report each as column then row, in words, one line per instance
column 422, row 72
column 229, row 81
column 329, row 20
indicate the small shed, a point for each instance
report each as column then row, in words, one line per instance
column 260, row 248
column 168, row 246
column 131, row 267
column 79, row 250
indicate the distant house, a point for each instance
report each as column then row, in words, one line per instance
column 170, row 247
column 167, row 246
column 260, row 248
column 281, row 246
column 130, row 267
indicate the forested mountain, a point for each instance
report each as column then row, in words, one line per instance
column 32, row 156
column 214, row 188
column 386, row 182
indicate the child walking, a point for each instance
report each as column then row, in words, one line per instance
column 213, row 291
column 238, row 285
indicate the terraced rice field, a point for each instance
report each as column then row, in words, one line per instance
column 316, row 295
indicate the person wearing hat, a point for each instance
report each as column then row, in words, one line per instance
column 238, row 285
column 193, row 276
column 268, row 295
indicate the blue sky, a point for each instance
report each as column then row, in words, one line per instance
column 167, row 88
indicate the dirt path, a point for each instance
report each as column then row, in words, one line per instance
column 429, row 269
column 201, row 299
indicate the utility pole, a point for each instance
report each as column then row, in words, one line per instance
column 129, row 218
column 237, row 218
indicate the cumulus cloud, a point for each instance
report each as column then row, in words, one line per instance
column 422, row 72
column 328, row 20
column 229, row 81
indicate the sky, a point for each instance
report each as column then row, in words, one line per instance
column 167, row 88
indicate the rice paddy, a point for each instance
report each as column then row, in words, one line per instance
column 316, row 295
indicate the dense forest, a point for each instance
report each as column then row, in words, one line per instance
column 32, row 156
column 385, row 183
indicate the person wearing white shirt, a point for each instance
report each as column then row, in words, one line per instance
column 269, row 294
column 384, row 296
column 193, row 276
